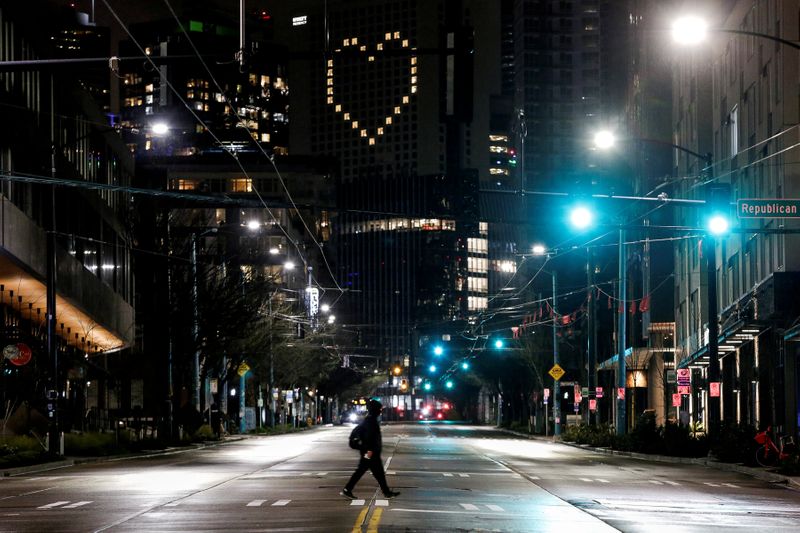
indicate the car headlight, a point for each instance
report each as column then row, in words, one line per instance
column 353, row 417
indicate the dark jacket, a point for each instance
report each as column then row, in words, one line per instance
column 371, row 435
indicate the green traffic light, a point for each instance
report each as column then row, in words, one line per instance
column 432, row 368
column 427, row 386
column 581, row 217
column 465, row 365
column 498, row 344
column 718, row 225
column 449, row 384
column 438, row 350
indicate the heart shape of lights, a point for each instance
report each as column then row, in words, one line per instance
column 390, row 38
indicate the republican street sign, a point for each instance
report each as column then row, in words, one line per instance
column 768, row 208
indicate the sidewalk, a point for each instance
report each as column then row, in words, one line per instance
column 758, row 473
column 72, row 461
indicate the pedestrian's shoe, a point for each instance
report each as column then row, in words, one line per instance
column 347, row 493
column 391, row 494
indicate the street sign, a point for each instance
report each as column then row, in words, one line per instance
column 620, row 393
column 546, row 394
column 684, row 376
column 584, row 391
column 243, row 369
column 593, row 405
column 598, row 392
column 684, row 389
column 577, row 407
column 676, row 400
column 672, row 376
column 557, row 372
column 768, row 208
column 713, row 389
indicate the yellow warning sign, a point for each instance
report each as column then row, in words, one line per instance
column 557, row 372
column 243, row 369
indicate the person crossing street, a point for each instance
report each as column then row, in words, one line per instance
column 370, row 453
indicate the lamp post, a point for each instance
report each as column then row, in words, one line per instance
column 691, row 30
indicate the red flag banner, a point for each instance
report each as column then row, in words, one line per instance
column 515, row 332
column 633, row 307
column 644, row 305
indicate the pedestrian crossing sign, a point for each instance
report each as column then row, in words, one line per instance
column 557, row 372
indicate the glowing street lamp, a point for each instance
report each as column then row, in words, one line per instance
column 438, row 350
column 604, row 140
column 465, row 366
column 581, row 217
column 449, row 384
column 689, row 30
column 159, row 128
column 253, row 225
column 432, row 368
column 498, row 343
column 539, row 249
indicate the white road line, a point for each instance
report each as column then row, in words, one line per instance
column 381, row 503
column 391, row 472
column 322, row 474
column 448, row 474
column 388, row 462
column 673, row 483
column 172, row 504
column 731, row 485
column 306, row 473
column 51, row 505
column 469, row 507
column 281, row 503
column 255, row 503
column 654, row 482
column 495, row 508
column 517, row 476
column 586, row 479
column 711, row 484
column 358, row 502
column 603, row 480
column 76, row 505
column 463, row 475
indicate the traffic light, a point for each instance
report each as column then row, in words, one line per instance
column 397, row 370
column 403, row 385
column 498, row 343
column 438, row 350
column 427, row 386
column 465, row 366
column 449, row 384
column 581, row 217
column 432, row 369
column 717, row 212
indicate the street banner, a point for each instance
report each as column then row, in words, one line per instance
column 620, row 393
column 598, row 392
column 684, row 376
column 676, row 400
column 593, row 405
column 684, row 389
column 713, row 389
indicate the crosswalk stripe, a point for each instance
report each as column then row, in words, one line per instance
column 603, row 481
column 76, row 505
column 256, row 503
column 673, row 483
column 448, row 474
column 358, row 502
column 172, row 504
column 469, row 506
column 586, row 479
column 382, row 503
column 463, row 475
column 391, row 473
column 51, row 505
column 495, row 508
column 711, row 484
column 655, row 482
column 281, row 503
column 731, row 485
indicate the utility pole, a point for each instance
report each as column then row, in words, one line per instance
column 591, row 342
column 556, row 383
column 622, row 422
column 53, row 394
column 710, row 252
column 195, row 329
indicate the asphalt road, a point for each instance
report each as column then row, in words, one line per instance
column 452, row 478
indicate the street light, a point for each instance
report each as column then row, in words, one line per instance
column 159, row 128
column 432, row 369
column 465, row 366
column 438, row 350
column 581, row 217
column 539, row 249
column 498, row 343
column 449, row 384
column 253, row 225
column 604, row 140
column 689, row 30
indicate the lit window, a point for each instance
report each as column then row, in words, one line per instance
column 363, row 133
column 265, row 137
column 355, row 40
column 413, row 89
column 338, row 108
column 477, row 245
column 330, row 63
column 498, row 149
column 413, row 79
column 371, row 141
column 388, row 120
column 330, row 90
column 387, row 36
column 498, row 171
column 330, row 99
column 379, row 46
column 413, row 60
column 483, row 228
column 397, row 110
column 148, row 88
column 396, row 35
column 346, row 42
column 413, row 70
column 346, row 116
column 405, row 42
column 405, row 99
column 477, row 303
column 380, row 131
column 363, row 48
column 330, row 72
column 355, row 124
column 498, row 138
column 330, row 81
column 241, row 185
column 371, row 59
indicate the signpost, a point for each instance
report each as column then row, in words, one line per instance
column 768, row 208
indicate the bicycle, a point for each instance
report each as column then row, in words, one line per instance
column 768, row 454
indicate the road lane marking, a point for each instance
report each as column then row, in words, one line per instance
column 469, row 507
column 255, row 503
column 381, row 503
column 463, row 475
column 731, row 485
column 387, row 463
column 391, row 472
column 358, row 502
column 603, row 481
column 172, row 504
column 360, row 519
column 586, row 479
column 374, row 521
column 76, row 505
column 281, row 503
column 51, row 505
column 322, row 474
column 711, row 484
column 673, row 483
column 655, row 482
column 495, row 508
column 448, row 474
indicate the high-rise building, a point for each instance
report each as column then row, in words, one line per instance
column 399, row 92
column 56, row 133
column 731, row 98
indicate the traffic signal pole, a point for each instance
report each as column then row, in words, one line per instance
column 621, row 369
column 713, row 412
column 556, row 384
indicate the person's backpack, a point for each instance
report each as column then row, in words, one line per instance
column 356, row 437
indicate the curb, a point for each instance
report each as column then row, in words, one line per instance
column 772, row 477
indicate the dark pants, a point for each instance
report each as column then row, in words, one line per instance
column 374, row 465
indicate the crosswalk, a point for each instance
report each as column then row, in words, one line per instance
column 64, row 505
